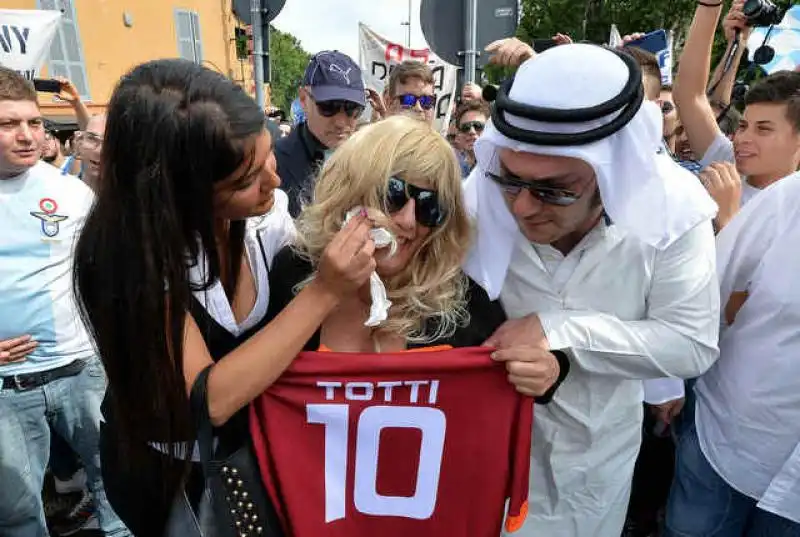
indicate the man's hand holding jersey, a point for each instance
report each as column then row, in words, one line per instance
column 533, row 368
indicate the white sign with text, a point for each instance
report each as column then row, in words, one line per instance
column 25, row 37
column 378, row 56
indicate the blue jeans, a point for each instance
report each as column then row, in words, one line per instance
column 702, row 504
column 71, row 406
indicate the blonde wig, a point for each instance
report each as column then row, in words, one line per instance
column 428, row 296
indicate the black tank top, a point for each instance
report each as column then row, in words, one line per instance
column 219, row 343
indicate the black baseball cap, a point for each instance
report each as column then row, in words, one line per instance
column 334, row 76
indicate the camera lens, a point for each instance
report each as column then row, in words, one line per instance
column 489, row 93
column 761, row 13
column 752, row 8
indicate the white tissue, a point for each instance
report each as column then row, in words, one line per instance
column 379, row 308
column 381, row 236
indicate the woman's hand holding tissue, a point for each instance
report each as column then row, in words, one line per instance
column 381, row 238
column 348, row 261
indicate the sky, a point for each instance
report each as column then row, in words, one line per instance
column 333, row 24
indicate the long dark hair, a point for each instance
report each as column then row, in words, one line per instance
column 173, row 130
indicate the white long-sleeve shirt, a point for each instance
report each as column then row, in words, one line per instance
column 625, row 312
column 748, row 404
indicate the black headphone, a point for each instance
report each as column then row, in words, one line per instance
column 629, row 101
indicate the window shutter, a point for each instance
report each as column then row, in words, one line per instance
column 66, row 51
column 197, row 38
column 183, row 26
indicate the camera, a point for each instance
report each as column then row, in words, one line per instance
column 761, row 13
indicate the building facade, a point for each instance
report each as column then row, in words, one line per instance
column 99, row 40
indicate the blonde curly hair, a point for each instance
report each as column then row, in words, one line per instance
column 428, row 296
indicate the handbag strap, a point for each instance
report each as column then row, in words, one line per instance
column 199, row 405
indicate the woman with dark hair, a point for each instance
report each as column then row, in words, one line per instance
column 171, row 273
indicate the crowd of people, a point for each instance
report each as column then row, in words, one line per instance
column 572, row 314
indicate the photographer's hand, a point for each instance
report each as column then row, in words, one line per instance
column 510, row 52
column 735, row 20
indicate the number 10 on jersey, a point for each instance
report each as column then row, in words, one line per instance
column 429, row 421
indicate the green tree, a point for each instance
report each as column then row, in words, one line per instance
column 591, row 20
column 289, row 62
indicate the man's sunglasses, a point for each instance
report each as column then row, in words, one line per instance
column 410, row 101
column 428, row 211
column 513, row 186
column 667, row 107
column 331, row 108
column 477, row 125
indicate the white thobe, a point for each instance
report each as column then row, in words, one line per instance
column 748, row 404
column 624, row 311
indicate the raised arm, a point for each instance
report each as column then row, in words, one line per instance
column 724, row 81
column 70, row 94
column 689, row 90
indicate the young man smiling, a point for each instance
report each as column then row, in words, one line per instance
column 738, row 459
column 766, row 146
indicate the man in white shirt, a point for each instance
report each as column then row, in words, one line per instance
column 738, row 470
column 52, row 377
column 764, row 148
column 596, row 246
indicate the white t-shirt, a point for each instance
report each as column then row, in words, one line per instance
column 41, row 215
column 748, row 403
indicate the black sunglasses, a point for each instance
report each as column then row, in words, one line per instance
column 513, row 185
column 409, row 100
column 667, row 107
column 331, row 108
column 477, row 125
column 428, row 211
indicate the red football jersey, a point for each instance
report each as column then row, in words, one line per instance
column 409, row 444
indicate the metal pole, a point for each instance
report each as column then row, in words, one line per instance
column 408, row 35
column 258, row 51
column 471, row 44
column 267, row 46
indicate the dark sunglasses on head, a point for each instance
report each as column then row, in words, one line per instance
column 428, row 211
column 410, row 101
column 331, row 108
column 513, row 186
column 477, row 125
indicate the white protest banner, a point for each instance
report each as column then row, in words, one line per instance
column 378, row 56
column 25, row 37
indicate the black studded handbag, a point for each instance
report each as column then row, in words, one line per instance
column 239, row 504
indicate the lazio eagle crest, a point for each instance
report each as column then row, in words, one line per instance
column 50, row 220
